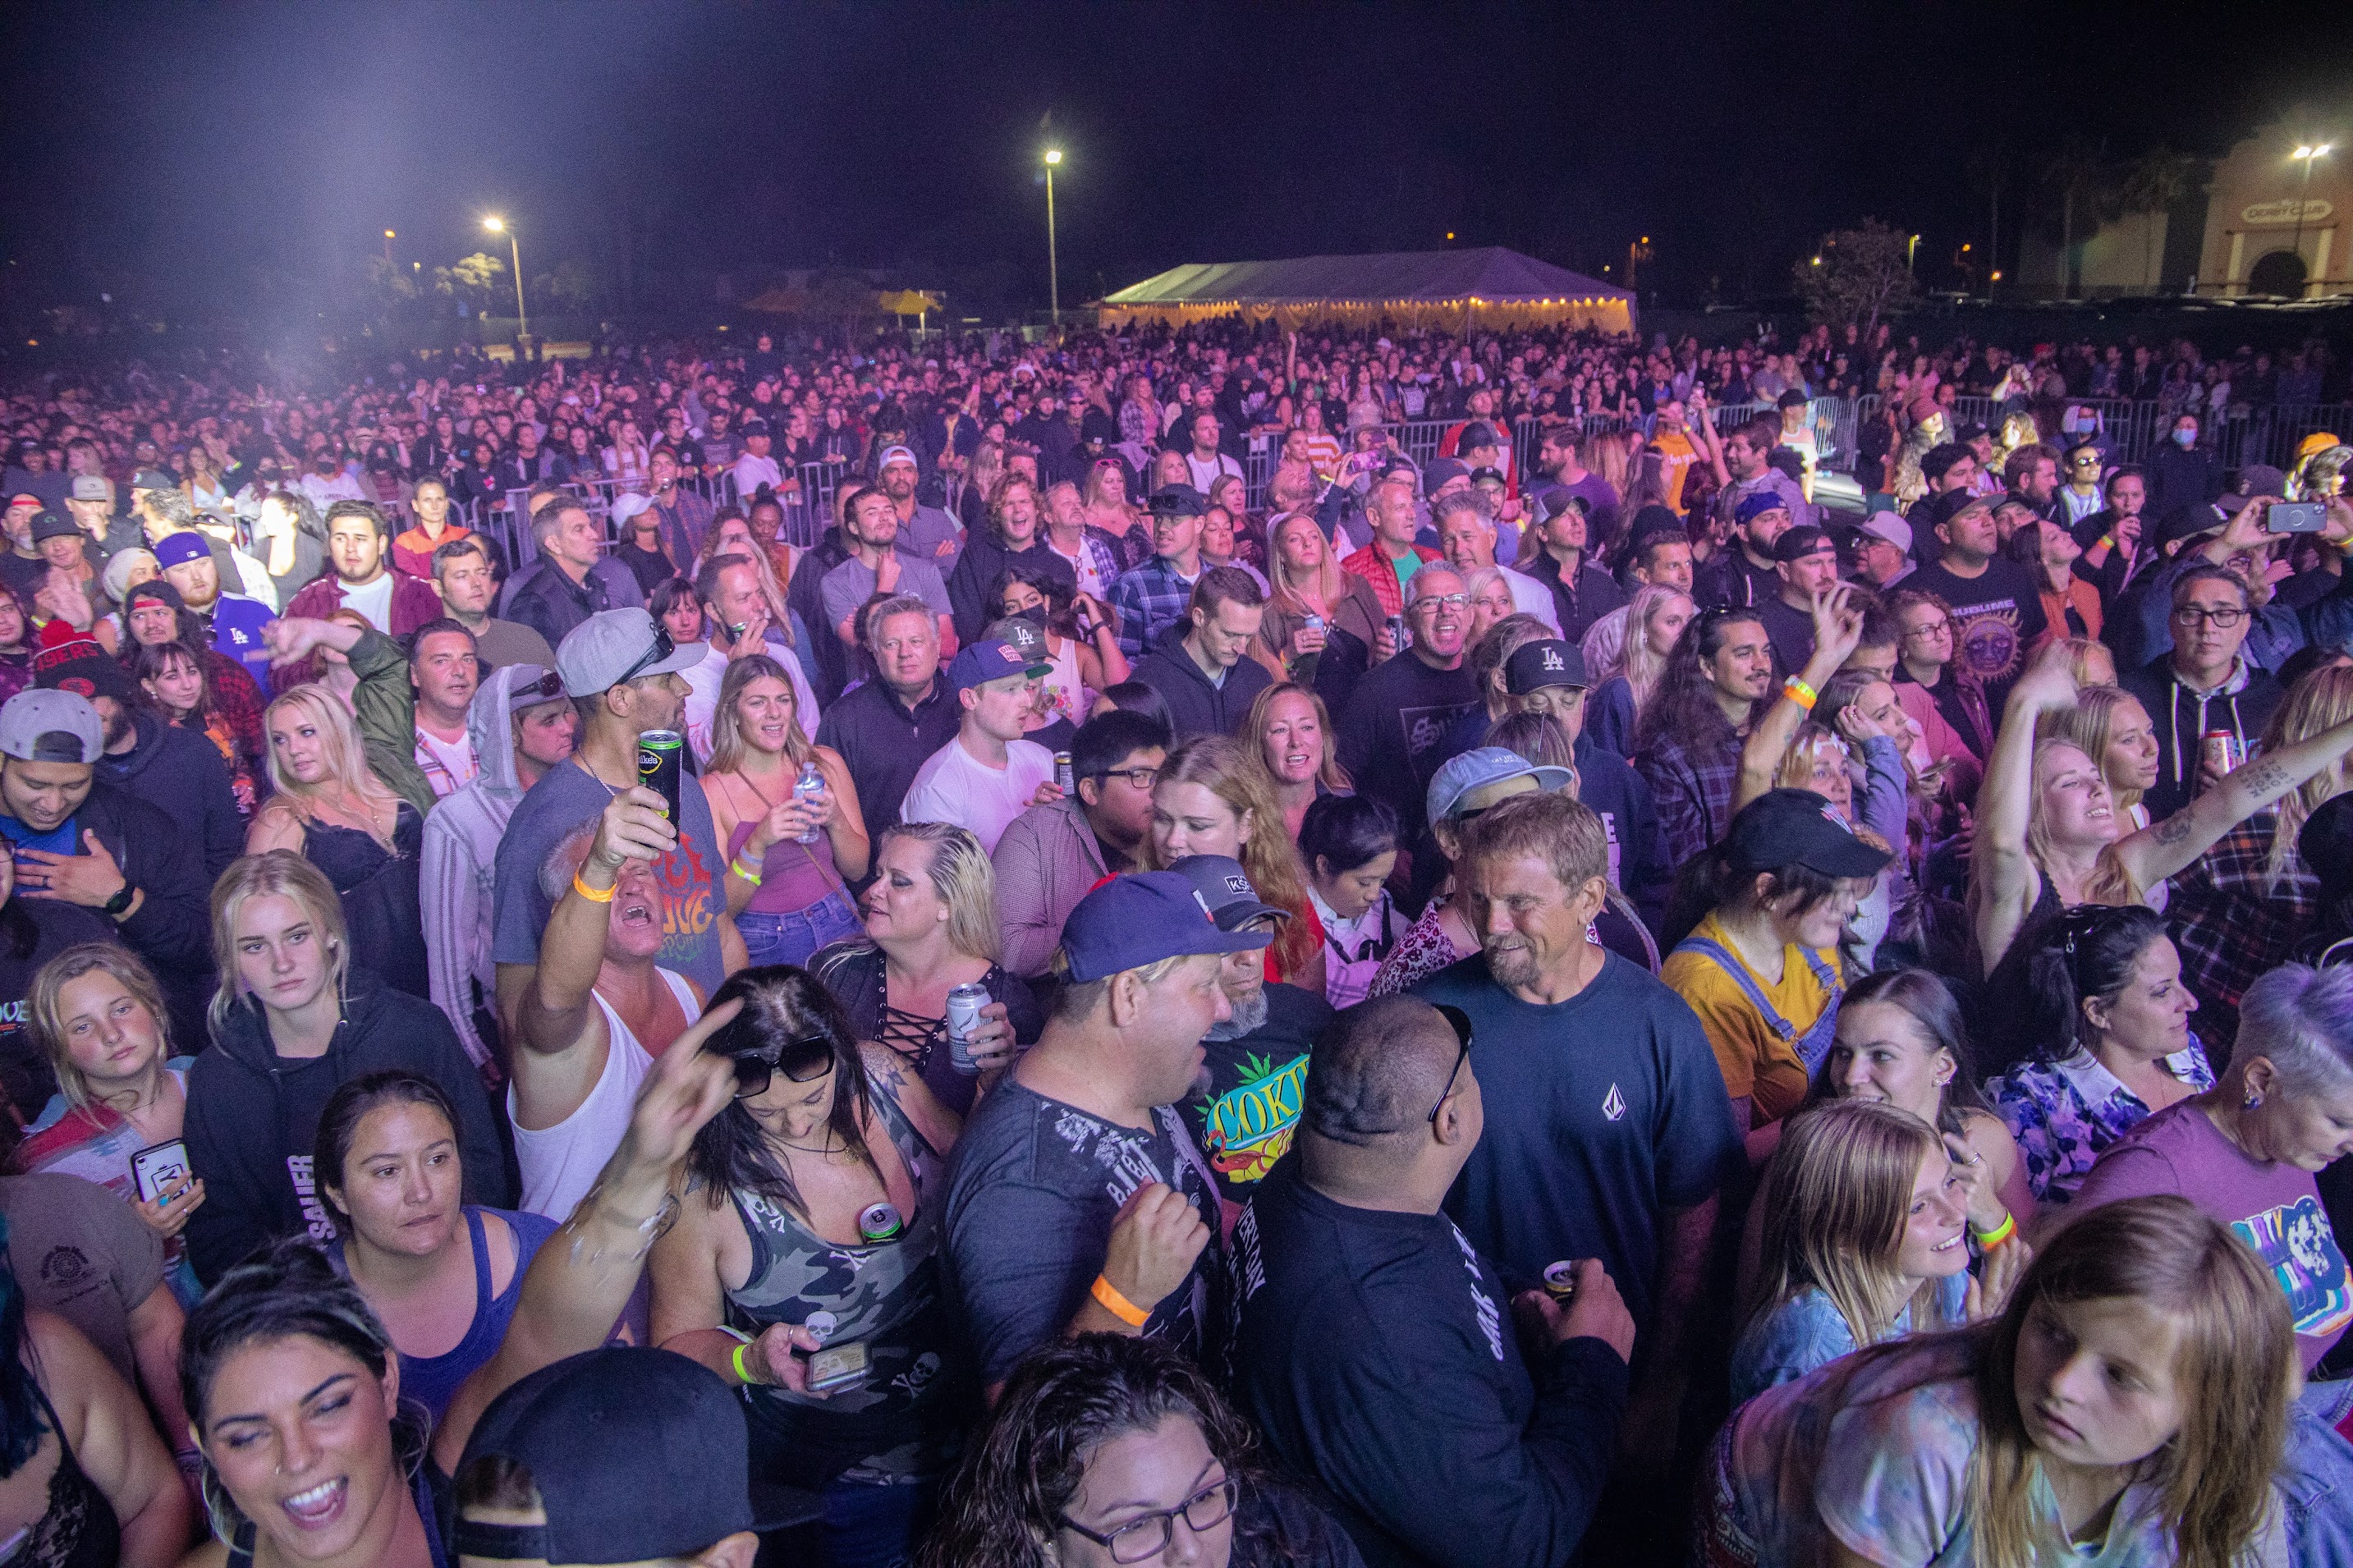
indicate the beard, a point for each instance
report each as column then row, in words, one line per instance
column 1513, row 964
column 1250, row 1017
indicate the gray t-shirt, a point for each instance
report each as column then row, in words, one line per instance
column 1032, row 1193
column 851, row 583
column 692, row 901
column 79, row 1252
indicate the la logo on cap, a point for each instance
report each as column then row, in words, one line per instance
column 1552, row 660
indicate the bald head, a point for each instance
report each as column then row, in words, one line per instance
column 1367, row 1135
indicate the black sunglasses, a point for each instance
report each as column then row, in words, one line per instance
column 804, row 1061
column 548, row 685
column 1459, row 1021
column 663, row 647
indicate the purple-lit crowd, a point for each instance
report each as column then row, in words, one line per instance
column 1084, row 951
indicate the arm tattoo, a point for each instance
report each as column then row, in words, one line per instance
column 2173, row 829
column 2267, row 778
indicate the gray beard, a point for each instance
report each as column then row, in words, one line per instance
column 1249, row 1018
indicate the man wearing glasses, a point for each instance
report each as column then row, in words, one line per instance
column 2205, row 683
column 1052, row 854
column 1373, row 1347
column 1394, row 733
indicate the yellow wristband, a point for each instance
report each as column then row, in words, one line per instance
column 1117, row 1305
column 1799, row 692
column 2105, row 542
column 1989, row 1239
column 591, row 894
column 751, row 877
column 736, row 1360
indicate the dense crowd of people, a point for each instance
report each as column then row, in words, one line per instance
column 1063, row 954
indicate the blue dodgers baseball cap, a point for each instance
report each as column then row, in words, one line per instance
column 1143, row 917
column 993, row 660
column 179, row 549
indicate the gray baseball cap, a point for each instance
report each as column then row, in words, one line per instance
column 1484, row 765
column 92, row 487
column 46, row 725
column 613, row 646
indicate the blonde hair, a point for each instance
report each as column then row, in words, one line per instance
column 965, row 880
column 1328, row 583
column 2091, row 727
column 727, row 742
column 48, row 1022
column 347, row 757
column 1229, row 769
column 1835, row 1200
column 1637, row 662
column 2110, row 882
column 2321, row 700
column 274, row 873
column 1329, row 772
column 2234, row 1365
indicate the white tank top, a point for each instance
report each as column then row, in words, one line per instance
column 560, row 1163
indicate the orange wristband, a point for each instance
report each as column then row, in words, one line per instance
column 1117, row 1305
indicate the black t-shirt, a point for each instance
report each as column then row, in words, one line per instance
column 1376, row 1351
column 1603, row 1112
column 32, row 932
column 1792, row 633
column 1996, row 616
column 1395, row 730
column 1245, row 1120
column 1032, row 1192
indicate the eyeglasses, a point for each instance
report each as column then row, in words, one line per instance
column 803, row 1060
column 1456, row 600
column 2199, row 615
column 663, row 647
column 1137, row 778
column 1459, row 1021
column 1142, row 1540
column 1927, row 629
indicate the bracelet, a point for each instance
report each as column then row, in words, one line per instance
column 2105, row 542
column 736, row 1360
column 1117, row 1305
column 1989, row 1239
column 1799, row 692
column 751, row 877
column 591, row 894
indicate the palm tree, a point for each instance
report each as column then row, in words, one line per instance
column 2072, row 175
column 1988, row 171
column 2156, row 180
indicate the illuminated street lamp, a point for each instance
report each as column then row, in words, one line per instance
column 389, row 237
column 522, row 318
column 1910, row 249
column 2307, row 155
column 1054, row 266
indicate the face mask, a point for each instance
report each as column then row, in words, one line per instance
column 2185, row 439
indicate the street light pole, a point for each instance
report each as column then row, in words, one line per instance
column 523, row 316
column 1053, row 264
column 389, row 237
column 2307, row 155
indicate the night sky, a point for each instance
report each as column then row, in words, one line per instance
column 196, row 158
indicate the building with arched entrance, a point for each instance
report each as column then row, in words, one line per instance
column 2275, row 220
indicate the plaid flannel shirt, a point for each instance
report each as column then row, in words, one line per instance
column 238, row 700
column 2229, row 924
column 1148, row 600
column 1693, row 790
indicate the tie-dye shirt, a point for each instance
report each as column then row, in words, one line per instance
column 2064, row 1113
column 1874, row 1453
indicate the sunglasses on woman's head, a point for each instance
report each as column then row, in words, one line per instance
column 804, row 1061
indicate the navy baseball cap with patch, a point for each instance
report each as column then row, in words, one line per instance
column 1226, row 888
column 584, row 1426
column 1786, row 827
column 53, row 525
column 1444, row 471
column 1140, row 919
column 1548, row 661
column 990, row 661
column 1803, row 541
column 1024, row 637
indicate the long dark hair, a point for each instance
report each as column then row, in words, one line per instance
column 782, row 1002
column 1062, row 1402
column 340, row 1121
column 1683, row 708
column 22, row 1426
column 1924, row 997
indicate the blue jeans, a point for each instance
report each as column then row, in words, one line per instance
column 794, row 938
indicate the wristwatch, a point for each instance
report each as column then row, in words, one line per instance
column 114, row 906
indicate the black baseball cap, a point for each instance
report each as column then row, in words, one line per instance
column 1796, row 827
column 1478, row 433
column 588, row 1427
column 1140, row 919
column 1548, row 661
column 1803, row 541
column 53, row 525
column 1178, row 500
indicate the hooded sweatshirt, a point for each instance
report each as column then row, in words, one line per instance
column 253, row 1117
column 460, row 850
column 1195, row 706
column 2181, row 716
column 180, row 773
